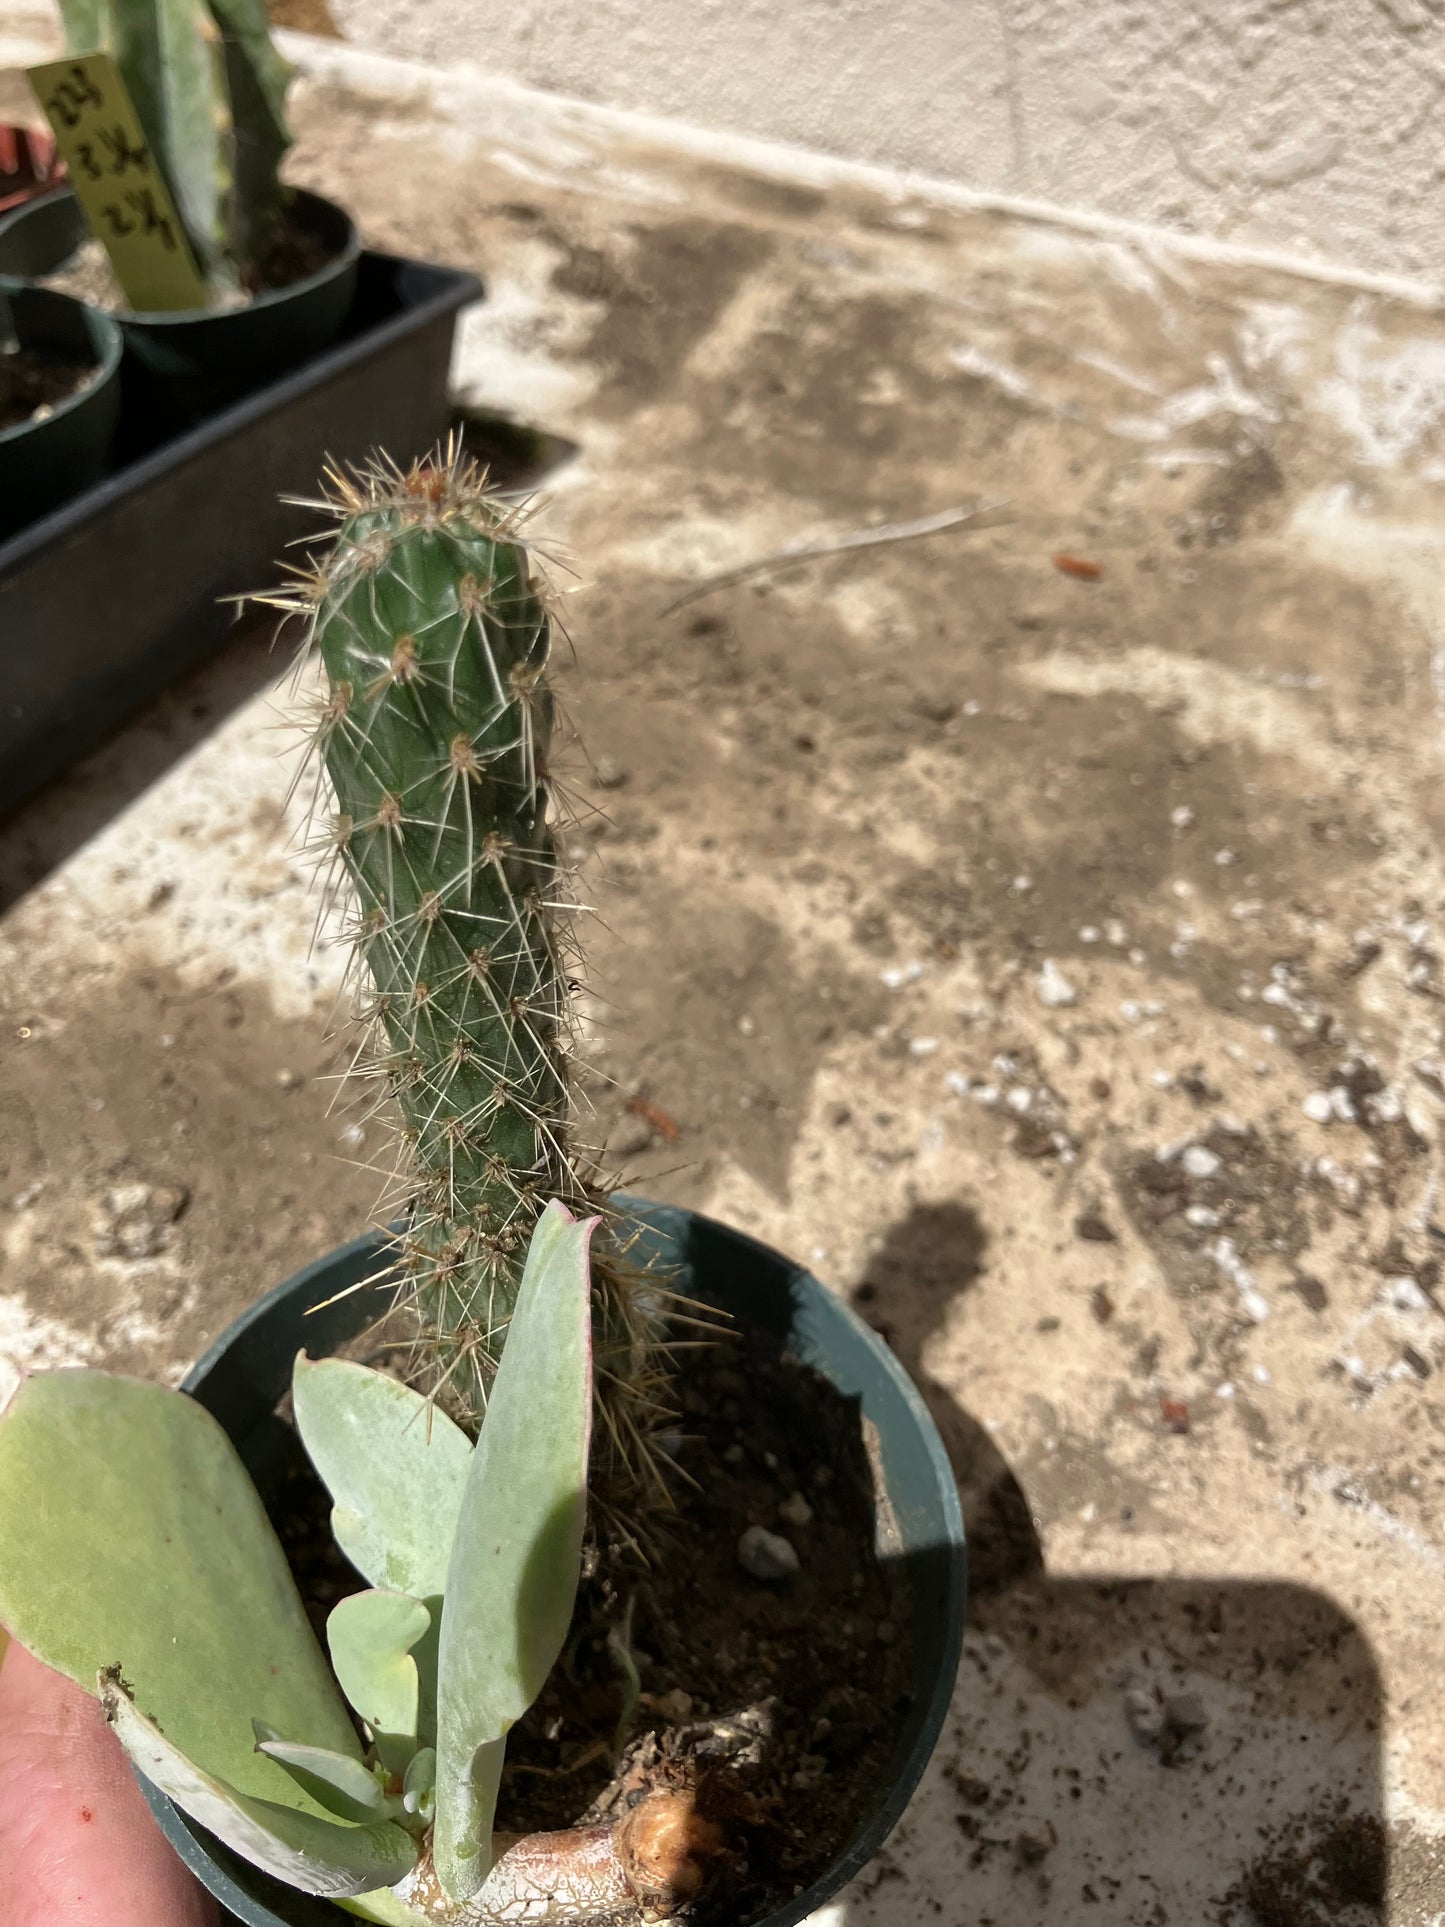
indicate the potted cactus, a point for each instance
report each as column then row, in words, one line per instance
column 540, row 1317
column 275, row 267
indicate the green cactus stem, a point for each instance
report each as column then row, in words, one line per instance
column 209, row 89
column 434, row 630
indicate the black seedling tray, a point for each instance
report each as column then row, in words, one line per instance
column 107, row 600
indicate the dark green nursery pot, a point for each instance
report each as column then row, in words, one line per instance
column 184, row 366
column 248, row 1370
column 44, row 463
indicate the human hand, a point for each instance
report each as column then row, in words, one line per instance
column 78, row 1844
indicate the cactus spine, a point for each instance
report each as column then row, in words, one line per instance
column 436, row 731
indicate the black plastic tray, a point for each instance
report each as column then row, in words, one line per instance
column 108, row 599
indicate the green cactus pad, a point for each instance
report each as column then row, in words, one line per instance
column 436, row 729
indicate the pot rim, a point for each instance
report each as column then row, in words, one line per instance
column 105, row 338
column 160, row 318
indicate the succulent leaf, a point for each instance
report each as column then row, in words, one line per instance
column 515, row 1562
column 371, row 1636
column 395, row 1467
column 132, row 1534
column 320, row 1856
column 337, row 1781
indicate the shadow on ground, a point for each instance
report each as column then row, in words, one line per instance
column 1136, row 1752
column 38, row 834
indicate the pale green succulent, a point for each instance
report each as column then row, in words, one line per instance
column 139, row 1561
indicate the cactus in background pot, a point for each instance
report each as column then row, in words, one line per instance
column 436, row 730
column 209, row 89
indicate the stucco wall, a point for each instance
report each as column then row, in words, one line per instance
column 1310, row 125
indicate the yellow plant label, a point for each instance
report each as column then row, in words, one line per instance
column 120, row 186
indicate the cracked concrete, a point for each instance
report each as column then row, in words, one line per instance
column 1035, row 927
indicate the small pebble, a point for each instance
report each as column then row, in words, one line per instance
column 610, row 775
column 1200, row 1162
column 1405, row 1295
column 796, row 1510
column 1033, row 1844
column 628, row 1136
column 1055, row 990
column 897, row 975
column 767, row 1555
column 1181, row 816
column 1183, row 1719
column 1144, row 1714
column 1318, row 1108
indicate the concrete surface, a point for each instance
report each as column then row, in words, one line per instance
column 1307, row 125
column 1055, row 962
column 1311, row 125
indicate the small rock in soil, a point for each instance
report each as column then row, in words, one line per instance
column 1311, row 1291
column 796, row 1510
column 1144, row 1714
column 1185, row 1716
column 1054, row 989
column 767, row 1555
column 1200, row 1162
column 134, row 1220
column 1032, row 1844
column 628, row 1137
column 1185, row 1721
column 1091, row 1227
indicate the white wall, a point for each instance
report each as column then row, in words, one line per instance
column 1310, row 125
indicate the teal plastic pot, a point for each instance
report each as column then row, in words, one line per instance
column 184, row 366
column 248, row 1370
column 45, row 463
